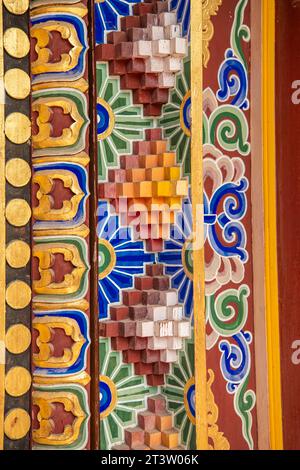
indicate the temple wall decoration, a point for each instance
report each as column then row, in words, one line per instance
column 228, row 224
column 145, row 225
column 60, row 205
column 150, row 163
column 15, row 334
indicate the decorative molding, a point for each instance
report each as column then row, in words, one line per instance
column 60, row 253
column 198, row 224
column 271, row 267
column 209, row 9
column 72, row 401
column 217, row 438
column 15, row 174
column 2, row 244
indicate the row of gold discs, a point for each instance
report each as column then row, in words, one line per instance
column 18, row 213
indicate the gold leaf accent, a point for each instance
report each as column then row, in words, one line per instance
column 44, row 107
column 42, row 35
column 46, row 401
column 82, row 378
column 78, row 9
column 81, row 304
column 45, row 327
column 46, row 181
column 209, row 9
column 16, row 424
column 71, row 282
column 82, row 158
column 81, row 231
column 80, row 84
column 219, row 441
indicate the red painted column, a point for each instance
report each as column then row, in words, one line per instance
column 288, row 206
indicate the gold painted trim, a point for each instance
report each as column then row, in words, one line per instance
column 186, row 246
column 188, row 384
column 113, row 260
column 44, row 357
column 83, row 378
column 71, row 402
column 271, row 275
column 198, row 225
column 111, row 115
column 2, row 238
column 217, row 438
column 82, row 304
column 78, row 9
column 113, row 389
column 209, row 9
column 82, row 158
column 80, row 84
column 185, row 129
column 81, row 231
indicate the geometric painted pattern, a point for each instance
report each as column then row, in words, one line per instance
column 146, row 53
column 138, row 41
column 120, row 258
column 148, row 326
column 176, row 118
column 122, row 394
column 107, row 16
column 147, row 190
column 155, row 429
column 177, row 257
column 119, row 122
column 180, row 394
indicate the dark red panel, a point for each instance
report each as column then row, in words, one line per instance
column 288, row 204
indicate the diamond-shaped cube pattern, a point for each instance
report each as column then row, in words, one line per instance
column 148, row 327
column 146, row 54
column 147, row 190
column 154, row 431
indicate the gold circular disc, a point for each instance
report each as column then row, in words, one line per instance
column 16, row 42
column 17, row 172
column 17, row 128
column 17, row 254
column 17, row 83
column 18, row 295
column 18, row 212
column 17, row 381
column 17, row 339
column 16, row 423
column 16, row 7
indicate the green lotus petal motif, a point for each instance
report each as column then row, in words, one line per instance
column 119, row 121
column 180, row 394
column 122, row 394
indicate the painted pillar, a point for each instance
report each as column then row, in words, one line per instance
column 288, row 204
